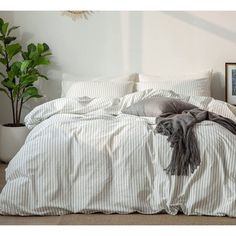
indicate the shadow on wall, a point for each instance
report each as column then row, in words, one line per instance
column 204, row 25
column 135, row 42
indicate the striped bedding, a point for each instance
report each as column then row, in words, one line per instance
column 195, row 87
column 84, row 156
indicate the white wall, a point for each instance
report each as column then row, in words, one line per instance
column 113, row 43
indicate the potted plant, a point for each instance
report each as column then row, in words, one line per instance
column 20, row 72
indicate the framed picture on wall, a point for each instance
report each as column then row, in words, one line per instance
column 230, row 82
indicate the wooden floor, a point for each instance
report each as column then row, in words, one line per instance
column 132, row 219
column 115, row 219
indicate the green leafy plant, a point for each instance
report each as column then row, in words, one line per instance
column 19, row 75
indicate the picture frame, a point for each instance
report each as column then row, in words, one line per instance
column 230, row 82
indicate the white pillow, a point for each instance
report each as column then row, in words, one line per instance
column 180, row 77
column 191, row 85
column 95, row 89
column 200, row 87
column 68, row 80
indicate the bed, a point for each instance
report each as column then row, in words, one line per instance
column 84, row 155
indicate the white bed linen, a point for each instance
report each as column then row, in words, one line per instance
column 197, row 84
column 69, row 80
column 96, row 89
column 83, row 155
column 198, row 87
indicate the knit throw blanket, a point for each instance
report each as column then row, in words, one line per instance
column 180, row 131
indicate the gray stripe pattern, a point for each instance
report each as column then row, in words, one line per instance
column 197, row 87
column 99, row 89
column 83, row 155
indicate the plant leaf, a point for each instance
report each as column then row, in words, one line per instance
column 3, row 61
column 11, row 75
column 24, row 55
column 40, row 48
column 15, row 67
column 8, row 40
column 13, row 49
column 24, row 65
column 27, row 81
column 12, row 28
column 31, row 92
column 26, row 100
column 42, row 61
column 45, row 54
column 15, row 91
column 1, row 22
column 8, row 84
column 31, row 47
column 33, row 55
column 4, row 28
column 46, row 47
column 43, row 76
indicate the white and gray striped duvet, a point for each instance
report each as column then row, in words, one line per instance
column 85, row 156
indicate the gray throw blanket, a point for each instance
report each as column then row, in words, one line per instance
column 179, row 129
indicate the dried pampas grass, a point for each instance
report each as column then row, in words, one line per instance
column 78, row 14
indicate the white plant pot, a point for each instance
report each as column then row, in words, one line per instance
column 11, row 140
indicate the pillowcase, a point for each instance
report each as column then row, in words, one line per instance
column 96, row 89
column 192, row 76
column 199, row 87
column 68, row 80
column 191, row 85
column 156, row 106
